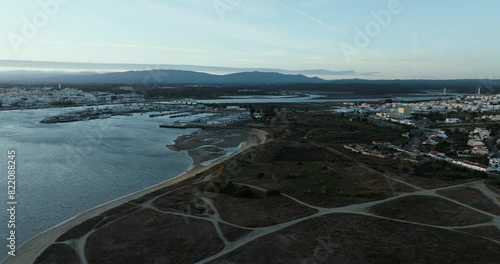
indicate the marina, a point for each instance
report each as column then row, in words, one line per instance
column 117, row 110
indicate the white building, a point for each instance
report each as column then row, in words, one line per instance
column 452, row 120
column 494, row 164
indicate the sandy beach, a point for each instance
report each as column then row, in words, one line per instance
column 29, row 251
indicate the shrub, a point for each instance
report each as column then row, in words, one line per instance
column 367, row 194
column 216, row 186
column 273, row 192
column 244, row 192
column 212, row 187
column 480, row 174
column 342, row 194
column 497, row 183
column 308, row 191
column 227, row 188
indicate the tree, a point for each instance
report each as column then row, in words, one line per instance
column 251, row 109
column 244, row 192
column 269, row 112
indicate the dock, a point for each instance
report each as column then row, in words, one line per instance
column 192, row 125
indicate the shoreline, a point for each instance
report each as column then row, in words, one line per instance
column 29, row 251
column 206, row 146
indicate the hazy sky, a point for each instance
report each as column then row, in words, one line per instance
column 420, row 39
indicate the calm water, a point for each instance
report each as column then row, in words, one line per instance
column 313, row 98
column 65, row 169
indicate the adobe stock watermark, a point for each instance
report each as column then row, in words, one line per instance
column 152, row 80
column 224, row 6
column 226, row 173
column 373, row 28
column 487, row 84
column 31, row 27
column 323, row 252
column 81, row 146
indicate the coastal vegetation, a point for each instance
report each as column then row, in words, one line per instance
column 298, row 187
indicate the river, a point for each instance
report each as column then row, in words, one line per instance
column 67, row 168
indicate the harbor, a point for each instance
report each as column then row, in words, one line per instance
column 92, row 113
column 186, row 116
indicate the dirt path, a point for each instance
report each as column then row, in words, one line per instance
column 255, row 233
column 354, row 209
column 487, row 192
column 360, row 209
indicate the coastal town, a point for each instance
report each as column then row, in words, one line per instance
column 304, row 165
column 462, row 130
column 398, row 148
column 259, row 132
column 36, row 97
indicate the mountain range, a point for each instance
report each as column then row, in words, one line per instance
column 156, row 77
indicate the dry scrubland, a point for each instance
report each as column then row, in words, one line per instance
column 301, row 198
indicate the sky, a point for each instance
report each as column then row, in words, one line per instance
column 376, row 39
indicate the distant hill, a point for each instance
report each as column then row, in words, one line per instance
column 263, row 79
column 269, row 77
column 160, row 77
column 122, row 67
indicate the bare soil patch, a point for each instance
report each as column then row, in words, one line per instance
column 429, row 210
